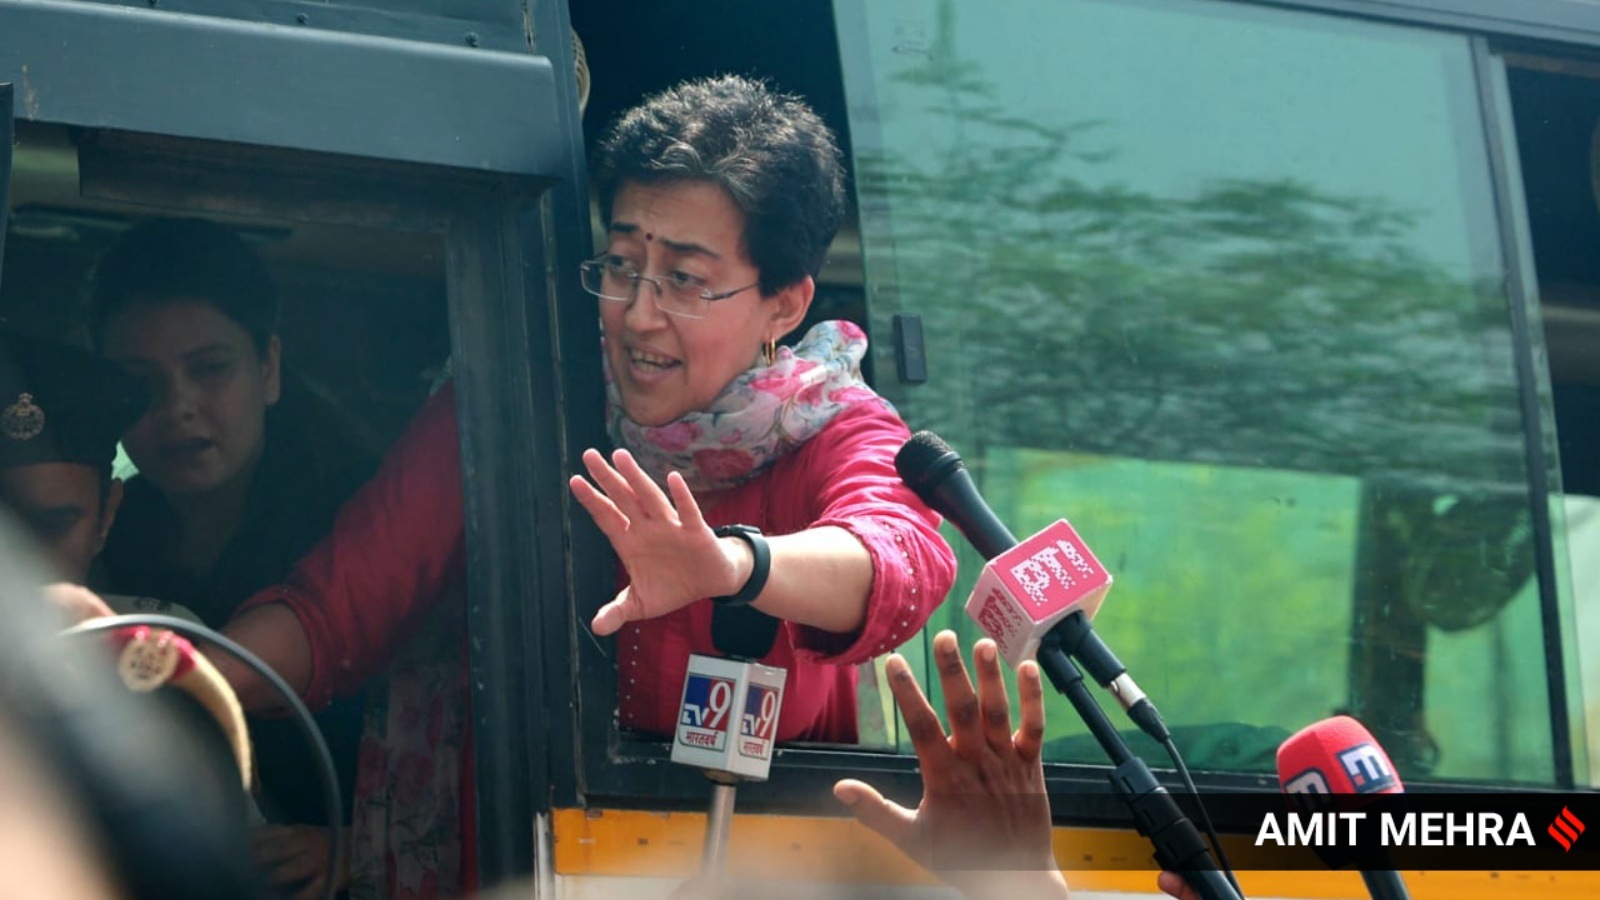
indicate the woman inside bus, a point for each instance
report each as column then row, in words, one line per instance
column 240, row 472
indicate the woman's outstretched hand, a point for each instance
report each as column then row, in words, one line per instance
column 672, row 557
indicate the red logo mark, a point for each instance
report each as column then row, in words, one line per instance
column 998, row 619
column 991, row 618
column 1566, row 828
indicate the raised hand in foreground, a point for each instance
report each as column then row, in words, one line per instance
column 983, row 825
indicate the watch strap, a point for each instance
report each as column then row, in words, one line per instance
column 762, row 556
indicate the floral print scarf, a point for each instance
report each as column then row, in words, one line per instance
column 762, row 414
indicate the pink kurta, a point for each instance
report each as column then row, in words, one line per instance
column 844, row 477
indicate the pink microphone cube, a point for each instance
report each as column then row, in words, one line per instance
column 1026, row 590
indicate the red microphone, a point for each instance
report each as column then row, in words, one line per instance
column 1340, row 756
column 1336, row 756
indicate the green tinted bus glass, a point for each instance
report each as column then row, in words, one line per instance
column 1222, row 285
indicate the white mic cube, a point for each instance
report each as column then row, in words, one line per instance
column 728, row 716
column 1022, row 593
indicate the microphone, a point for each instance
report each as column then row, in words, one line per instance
column 935, row 473
column 1036, row 597
column 728, row 716
column 1050, row 583
column 727, row 725
column 1340, row 756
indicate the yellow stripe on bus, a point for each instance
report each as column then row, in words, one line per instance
column 817, row 848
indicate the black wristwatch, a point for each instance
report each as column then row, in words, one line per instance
column 758, row 572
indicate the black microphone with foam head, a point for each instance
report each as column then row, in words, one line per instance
column 936, row 474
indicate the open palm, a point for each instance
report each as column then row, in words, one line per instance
column 671, row 555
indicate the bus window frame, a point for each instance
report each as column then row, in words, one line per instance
column 1558, row 21
column 493, row 234
column 1522, row 300
column 7, row 139
column 635, row 772
column 357, row 118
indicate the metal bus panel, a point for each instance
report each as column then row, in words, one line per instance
column 240, row 82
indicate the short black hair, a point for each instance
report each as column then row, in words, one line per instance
column 164, row 259
column 771, row 152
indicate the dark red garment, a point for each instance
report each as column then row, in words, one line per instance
column 395, row 554
column 396, row 548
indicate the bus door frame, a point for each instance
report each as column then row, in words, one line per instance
column 378, row 131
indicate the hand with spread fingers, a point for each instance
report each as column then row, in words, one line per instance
column 671, row 555
column 296, row 859
column 984, row 821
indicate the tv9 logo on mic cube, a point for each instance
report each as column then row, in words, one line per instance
column 1026, row 590
column 728, row 716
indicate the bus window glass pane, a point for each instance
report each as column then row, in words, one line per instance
column 1222, row 285
column 1581, row 516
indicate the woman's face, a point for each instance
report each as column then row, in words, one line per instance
column 209, row 389
column 668, row 366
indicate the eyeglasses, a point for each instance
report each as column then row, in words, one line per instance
column 676, row 293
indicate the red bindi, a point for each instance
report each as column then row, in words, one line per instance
column 648, row 236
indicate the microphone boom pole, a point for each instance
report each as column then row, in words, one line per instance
column 1156, row 815
column 1054, row 617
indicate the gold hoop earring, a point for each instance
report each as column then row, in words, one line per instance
column 769, row 351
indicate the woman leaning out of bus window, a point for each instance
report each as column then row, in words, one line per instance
column 240, row 472
column 721, row 199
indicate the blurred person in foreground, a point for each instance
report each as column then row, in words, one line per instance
column 133, row 788
column 62, row 410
